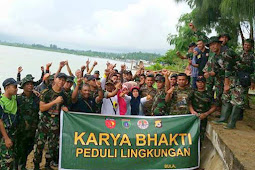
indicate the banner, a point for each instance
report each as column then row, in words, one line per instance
column 94, row 141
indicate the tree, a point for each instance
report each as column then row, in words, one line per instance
column 231, row 16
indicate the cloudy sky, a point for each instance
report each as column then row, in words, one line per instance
column 103, row 25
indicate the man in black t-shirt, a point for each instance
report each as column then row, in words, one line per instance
column 83, row 102
column 203, row 56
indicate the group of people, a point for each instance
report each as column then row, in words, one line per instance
column 219, row 80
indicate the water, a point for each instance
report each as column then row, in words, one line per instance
column 31, row 61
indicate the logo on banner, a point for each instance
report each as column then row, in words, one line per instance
column 143, row 124
column 110, row 123
column 158, row 123
column 126, row 123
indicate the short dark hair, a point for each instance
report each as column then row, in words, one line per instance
column 115, row 75
column 85, row 85
column 143, row 75
column 183, row 74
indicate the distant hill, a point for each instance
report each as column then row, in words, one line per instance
column 119, row 56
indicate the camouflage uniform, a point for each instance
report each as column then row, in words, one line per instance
column 9, row 119
column 148, row 105
column 28, row 108
column 68, row 95
column 48, row 128
column 237, row 95
column 94, row 95
column 208, row 68
column 180, row 100
column 159, row 107
column 223, row 67
column 201, row 102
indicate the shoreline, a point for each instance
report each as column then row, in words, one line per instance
column 81, row 52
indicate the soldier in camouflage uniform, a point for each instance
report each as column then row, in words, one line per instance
column 94, row 92
column 224, row 38
column 146, row 90
column 28, row 108
column 8, row 123
column 159, row 107
column 179, row 97
column 68, row 91
column 51, row 102
column 236, row 91
column 221, row 65
column 208, row 68
column 201, row 104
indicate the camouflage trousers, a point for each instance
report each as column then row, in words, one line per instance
column 48, row 130
column 203, row 125
column 210, row 84
column 24, row 145
column 218, row 91
column 7, row 154
column 237, row 95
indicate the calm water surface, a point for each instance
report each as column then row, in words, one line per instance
column 31, row 60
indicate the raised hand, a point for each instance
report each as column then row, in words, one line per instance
column 107, row 72
column 171, row 90
column 83, row 68
column 62, row 64
column 98, row 83
column 48, row 65
column 95, row 63
column 79, row 81
column 20, row 69
column 87, row 62
column 118, row 85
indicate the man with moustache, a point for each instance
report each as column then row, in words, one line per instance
column 28, row 108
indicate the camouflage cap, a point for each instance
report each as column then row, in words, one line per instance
column 160, row 78
column 214, row 39
column 201, row 78
column 96, row 72
column 28, row 78
column 225, row 35
column 250, row 41
column 70, row 79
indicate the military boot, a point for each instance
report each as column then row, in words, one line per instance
column 234, row 117
column 225, row 113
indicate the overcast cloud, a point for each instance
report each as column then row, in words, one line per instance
column 104, row 25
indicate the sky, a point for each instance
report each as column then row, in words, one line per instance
column 100, row 25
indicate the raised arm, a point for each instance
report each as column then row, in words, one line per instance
column 91, row 69
column 76, row 90
column 61, row 65
column 113, row 93
column 68, row 68
column 169, row 94
column 48, row 67
column 100, row 96
column 20, row 69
